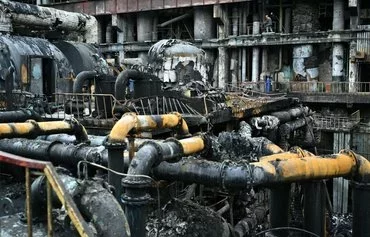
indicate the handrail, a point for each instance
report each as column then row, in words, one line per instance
column 56, row 184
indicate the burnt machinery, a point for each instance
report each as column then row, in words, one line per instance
column 173, row 156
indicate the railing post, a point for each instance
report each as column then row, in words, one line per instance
column 49, row 209
column 28, row 203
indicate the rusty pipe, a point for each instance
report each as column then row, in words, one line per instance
column 294, row 153
column 33, row 129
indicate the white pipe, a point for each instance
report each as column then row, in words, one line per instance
column 32, row 15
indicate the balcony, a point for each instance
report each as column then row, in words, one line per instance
column 314, row 91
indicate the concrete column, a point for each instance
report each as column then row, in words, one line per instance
column 108, row 33
column 264, row 59
column 223, row 59
column 203, row 23
column 234, row 67
column 204, row 29
column 287, row 20
column 118, row 21
column 256, row 50
column 338, row 48
column 352, row 64
column 144, row 31
column 155, row 29
column 235, row 19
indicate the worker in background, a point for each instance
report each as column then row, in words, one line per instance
column 268, row 24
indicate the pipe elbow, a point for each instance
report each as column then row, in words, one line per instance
column 120, row 130
column 79, row 131
column 122, row 80
column 362, row 166
column 81, row 78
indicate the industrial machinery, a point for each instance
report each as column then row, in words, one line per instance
column 157, row 151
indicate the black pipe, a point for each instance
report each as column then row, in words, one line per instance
column 20, row 115
column 279, row 208
column 96, row 204
column 288, row 115
column 135, row 196
column 55, row 152
column 122, row 80
column 314, row 207
column 287, row 128
column 360, row 209
column 70, row 139
column 81, row 78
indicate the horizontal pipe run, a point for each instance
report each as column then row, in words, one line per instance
column 21, row 115
column 55, row 152
column 131, row 121
column 280, row 170
column 192, row 145
column 33, row 129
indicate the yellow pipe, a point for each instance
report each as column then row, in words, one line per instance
column 298, row 153
column 130, row 121
column 192, row 145
column 306, row 168
column 122, row 128
column 33, row 128
column 273, row 148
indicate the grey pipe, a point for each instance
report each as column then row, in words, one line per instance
column 81, row 78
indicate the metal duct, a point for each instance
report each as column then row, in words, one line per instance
column 81, row 78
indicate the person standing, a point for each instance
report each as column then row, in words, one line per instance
column 268, row 24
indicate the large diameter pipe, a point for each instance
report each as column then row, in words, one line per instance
column 361, row 209
column 32, row 15
column 314, row 207
column 241, row 175
column 140, row 123
column 81, row 78
column 135, row 196
column 21, row 115
column 33, row 129
column 55, row 152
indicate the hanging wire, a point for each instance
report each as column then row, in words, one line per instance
column 287, row 228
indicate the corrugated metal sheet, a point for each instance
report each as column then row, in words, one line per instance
column 105, row 7
column 363, row 40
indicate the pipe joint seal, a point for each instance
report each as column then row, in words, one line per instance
column 36, row 128
column 114, row 145
column 135, row 201
column 180, row 152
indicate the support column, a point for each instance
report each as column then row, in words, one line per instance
column 256, row 50
column 245, row 12
column 279, row 208
column 124, row 31
column 338, row 48
column 314, row 207
column 361, row 209
column 287, row 20
column 204, row 30
column 220, row 12
column 144, row 31
column 352, row 64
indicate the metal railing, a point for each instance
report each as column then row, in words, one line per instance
column 331, row 87
column 53, row 183
column 337, row 123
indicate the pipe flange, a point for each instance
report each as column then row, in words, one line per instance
column 137, row 201
column 36, row 130
column 207, row 150
column 155, row 145
column 223, row 167
column 179, row 145
column 136, row 183
column 114, row 145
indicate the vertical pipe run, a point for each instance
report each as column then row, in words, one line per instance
column 314, row 207
column 116, row 163
column 361, row 209
column 279, row 207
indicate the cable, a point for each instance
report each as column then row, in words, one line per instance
column 287, row 228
